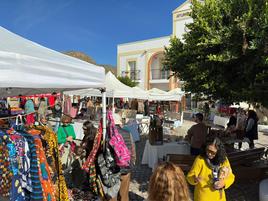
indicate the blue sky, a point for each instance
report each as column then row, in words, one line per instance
column 95, row 27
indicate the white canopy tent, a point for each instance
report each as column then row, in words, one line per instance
column 114, row 89
column 140, row 93
column 159, row 95
column 28, row 68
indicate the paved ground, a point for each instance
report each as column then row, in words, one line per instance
column 239, row 191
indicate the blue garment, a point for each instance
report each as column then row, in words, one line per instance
column 132, row 127
column 16, row 192
column 37, row 192
column 29, row 107
column 22, row 149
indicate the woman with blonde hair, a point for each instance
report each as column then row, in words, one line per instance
column 168, row 183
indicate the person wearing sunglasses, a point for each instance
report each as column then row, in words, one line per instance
column 90, row 132
column 211, row 172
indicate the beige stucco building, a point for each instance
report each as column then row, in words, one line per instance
column 142, row 60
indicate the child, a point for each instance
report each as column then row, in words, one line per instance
column 79, row 176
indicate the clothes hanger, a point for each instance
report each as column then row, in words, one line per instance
column 19, row 125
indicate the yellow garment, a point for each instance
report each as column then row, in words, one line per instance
column 55, row 165
column 204, row 190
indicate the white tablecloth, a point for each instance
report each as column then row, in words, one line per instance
column 151, row 153
column 220, row 121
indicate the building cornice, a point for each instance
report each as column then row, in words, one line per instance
column 142, row 41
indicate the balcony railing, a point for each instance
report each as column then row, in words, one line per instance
column 124, row 73
column 158, row 74
column 133, row 74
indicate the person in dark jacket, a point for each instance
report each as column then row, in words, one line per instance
column 89, row 135
column 251, row 129
column 146, row 108
column 197, row 134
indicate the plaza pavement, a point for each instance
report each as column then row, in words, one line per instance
column 239, row 191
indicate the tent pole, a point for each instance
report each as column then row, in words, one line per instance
column 113, row 105
column 103, row 92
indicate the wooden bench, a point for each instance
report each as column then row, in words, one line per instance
column 245, row 158
column 184, row 161
column 242, row 163
column 248, row 165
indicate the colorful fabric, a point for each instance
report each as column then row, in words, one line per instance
column 16, row 192
column 92, row 156
column 49, row 193
column 55, row 166
column 37, row 191
column 89, row 165
column 22, row 149
column 29, row 107
column 121, row 152
column 42, row 109
column 30, row 119
column 5, row 173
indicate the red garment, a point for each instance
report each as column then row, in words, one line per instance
column 30, row 119
column 51, row 101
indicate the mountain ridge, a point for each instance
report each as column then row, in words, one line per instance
column 83, row 56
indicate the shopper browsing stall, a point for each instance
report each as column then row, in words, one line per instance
column 65, row 135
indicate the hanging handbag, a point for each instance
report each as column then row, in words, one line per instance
column 120, row 150
column 109, row 171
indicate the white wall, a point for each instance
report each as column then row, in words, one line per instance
column 138, row 51
column 141, row 51
column 162, row 86
column 143, row 45
column 180, row 26
column 140, row 65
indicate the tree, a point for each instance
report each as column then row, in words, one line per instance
column 127, row 81
column 224, row 55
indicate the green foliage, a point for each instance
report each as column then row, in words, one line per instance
column 224, row 55
column 127, row 81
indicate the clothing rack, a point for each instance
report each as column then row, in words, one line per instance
column 50, row 138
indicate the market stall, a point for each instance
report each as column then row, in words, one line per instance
column 159, row 95
column 114, row 89
column 28, row 68
column 153, row 153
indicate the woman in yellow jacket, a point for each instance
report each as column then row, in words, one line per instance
column 211, row 173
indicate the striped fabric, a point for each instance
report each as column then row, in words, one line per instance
column 49, row 193
column 37, row 193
